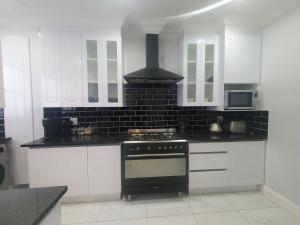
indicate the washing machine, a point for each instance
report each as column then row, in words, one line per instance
column 3, row 168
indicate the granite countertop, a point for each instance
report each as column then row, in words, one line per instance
column 4, row 140
column 117, row 139
column 28, row 206
column 81, row 140
column 223, row 137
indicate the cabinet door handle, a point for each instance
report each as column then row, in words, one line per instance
column 208, row 170
column 203, row 153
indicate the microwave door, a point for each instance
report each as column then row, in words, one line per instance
column 240, row 100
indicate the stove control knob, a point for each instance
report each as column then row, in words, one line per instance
column 170, row 147
column 175, row 147
column 138, row 148
column 180, row 146
column 159, row 147
column 165, row 147
column 149, row 148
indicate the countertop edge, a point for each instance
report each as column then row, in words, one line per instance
column 45, row 213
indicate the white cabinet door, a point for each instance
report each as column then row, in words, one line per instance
column 112, row 72
column 51, row 77
column 201, row 75
column 72, row 71
column 248, row 162
column 104, row 170
column 59, row 166
column 242, row 59
column 1, row 81
column 209, row 73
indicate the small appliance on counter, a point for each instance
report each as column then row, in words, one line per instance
column 57, row 127
column 215, row 127
column 236, row 127
column 240, row 99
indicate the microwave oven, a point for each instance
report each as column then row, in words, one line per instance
column 240, row 99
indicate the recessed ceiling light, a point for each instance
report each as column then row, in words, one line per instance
column 203, row 10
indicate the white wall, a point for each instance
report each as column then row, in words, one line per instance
column 281, row 91
column 2, row 101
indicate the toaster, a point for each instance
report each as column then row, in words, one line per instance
column 236, row 126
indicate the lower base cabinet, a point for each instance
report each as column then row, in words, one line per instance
column 104, row 170
column 228, row 164
column 87, row 171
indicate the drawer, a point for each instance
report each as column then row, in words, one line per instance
column 208, row 179
column 207, row 147
column 207, row 161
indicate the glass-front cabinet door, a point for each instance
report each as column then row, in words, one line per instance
column 191, row 71
column 113, row 73
column 92, row 72
column 209, row 73
column 102, row 72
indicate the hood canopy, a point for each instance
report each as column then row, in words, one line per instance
column 152, row 73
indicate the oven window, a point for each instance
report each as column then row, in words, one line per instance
column 155, row 168
column 240, row 99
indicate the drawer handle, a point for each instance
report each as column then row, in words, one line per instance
column 208, row 170
column 202, row 153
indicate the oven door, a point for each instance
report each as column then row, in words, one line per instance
column 150, row 173
column 155, row 165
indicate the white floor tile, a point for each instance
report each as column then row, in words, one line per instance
column 80, row 213
column 269, row 216
column 124, row 222
column 122, row 210
column 172, row 220
column 209, row 203
column 249, row 200
column 93, row 223
column 167, row 207
column 221, row 218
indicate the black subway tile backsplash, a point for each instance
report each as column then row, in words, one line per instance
column 155, row 106
column 2, row 126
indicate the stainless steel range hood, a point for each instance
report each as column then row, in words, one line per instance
column 152, row 73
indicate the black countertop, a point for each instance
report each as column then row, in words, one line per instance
column 82, row 140
column 223, row 137
column 117, row 139
column 4, row 140
column 28, row 206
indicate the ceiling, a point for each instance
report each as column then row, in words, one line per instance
column 77, row 12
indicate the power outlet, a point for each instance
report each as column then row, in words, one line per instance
column 74, row 121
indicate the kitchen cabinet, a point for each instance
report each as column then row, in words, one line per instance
column 72, row 74
column 102, row 72
column 51, row 71
column 93, row 171
column 59, row 166
column 248, row 160
column 104, row 170
column 226, row 164
column 2, row 101
column 242, row 58
column 201, row 73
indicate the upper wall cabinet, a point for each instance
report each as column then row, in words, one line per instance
column 102, row 72
column 242, row 59
column 1, row 82
column 80, row 71
column 201, row 75
column 72, row 71
column 52, row 74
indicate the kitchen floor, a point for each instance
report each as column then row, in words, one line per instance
column 247, row 208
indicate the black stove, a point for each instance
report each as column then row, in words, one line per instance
column 152, row 136
column 154, row 160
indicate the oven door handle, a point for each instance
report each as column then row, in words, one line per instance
column 156, row 156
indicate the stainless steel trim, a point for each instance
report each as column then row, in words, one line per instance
column 161, row 141
column 143, row 131
column 203, row 153
column 208, row 170
column 146, row 155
